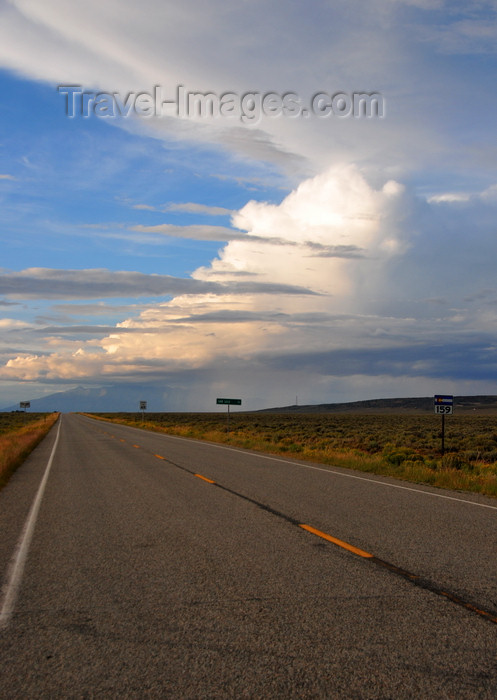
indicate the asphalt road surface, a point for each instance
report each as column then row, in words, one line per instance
column 139, row 565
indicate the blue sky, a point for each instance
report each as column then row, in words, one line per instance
column 334, row 258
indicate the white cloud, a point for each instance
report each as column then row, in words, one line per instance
column 272, row 48
column 373, row 324
column 489, row 194
column 146, row 207
column 338, row 209
column 449, row 197
column 352, row 230
column 7, row 324
column 193, row 208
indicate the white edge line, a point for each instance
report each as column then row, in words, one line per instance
column 18, row 560
column 295, row 463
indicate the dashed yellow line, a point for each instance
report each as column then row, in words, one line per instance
column 339, row 543
column 137, row 446
column 366, row 555
column 204, row 478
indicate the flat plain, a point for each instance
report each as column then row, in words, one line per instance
column 403, row 445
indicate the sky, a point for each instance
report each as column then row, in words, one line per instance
column 274, row 201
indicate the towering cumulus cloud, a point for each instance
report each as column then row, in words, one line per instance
column 325, row 243
column 266, row 198
column 320, row 234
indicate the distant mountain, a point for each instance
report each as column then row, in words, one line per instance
column 104, row 399
column 405, row 405
column 127, row 397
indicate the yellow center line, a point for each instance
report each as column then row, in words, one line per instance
column 355, row 550
column 209, row 481
column 340, row 543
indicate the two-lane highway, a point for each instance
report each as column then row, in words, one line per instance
column 163, row 567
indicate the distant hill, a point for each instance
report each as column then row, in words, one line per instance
column 127, row 397
column 406, row 405
column 104, row 399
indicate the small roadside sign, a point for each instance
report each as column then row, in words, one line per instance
column 443, row 404
column 25, row 404
column 143, row 405
column 229, row 402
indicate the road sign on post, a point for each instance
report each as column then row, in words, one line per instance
column 143, row 408
column 444, row 405
column 229, row 402
column 25, row 404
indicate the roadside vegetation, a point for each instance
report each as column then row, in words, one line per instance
column 405, row 446
column 19, row 434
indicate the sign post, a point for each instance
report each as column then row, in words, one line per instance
column 25, row 405
column 444, row 406
column 229, row 402
column 143, row 408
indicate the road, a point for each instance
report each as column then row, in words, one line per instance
column 160, row 567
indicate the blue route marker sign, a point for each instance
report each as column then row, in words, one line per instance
column 443, row 404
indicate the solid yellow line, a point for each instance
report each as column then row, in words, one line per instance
column 340, row 543
column 209, row 481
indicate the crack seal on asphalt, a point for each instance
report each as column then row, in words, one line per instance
column 416, row 580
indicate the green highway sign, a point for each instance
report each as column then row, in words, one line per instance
column 230, row 402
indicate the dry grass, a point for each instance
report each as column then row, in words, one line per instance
column 403, row 446
column 19, row 436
